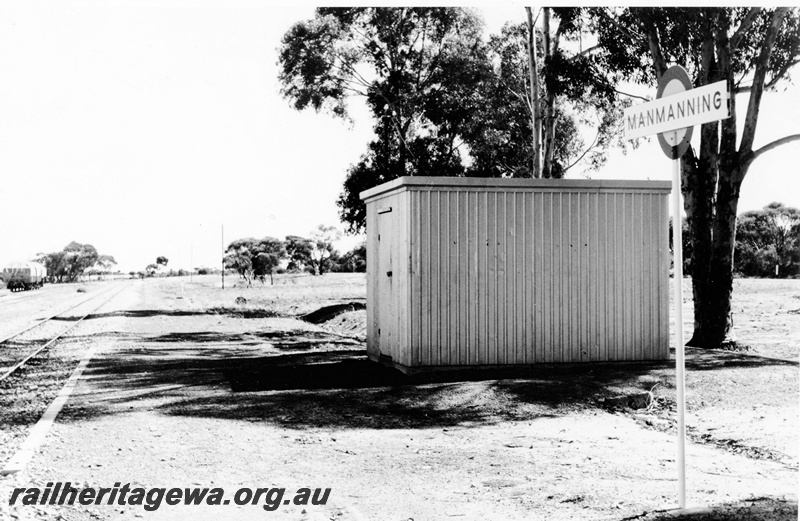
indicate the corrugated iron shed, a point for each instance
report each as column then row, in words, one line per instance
column 492, row 272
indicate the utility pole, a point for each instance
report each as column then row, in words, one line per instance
column 222, row 244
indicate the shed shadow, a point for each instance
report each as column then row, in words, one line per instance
column 148, row 313
column 309, row 379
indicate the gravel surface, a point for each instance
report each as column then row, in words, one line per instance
column 189, row 388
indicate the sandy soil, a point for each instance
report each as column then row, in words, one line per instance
column 190, row 388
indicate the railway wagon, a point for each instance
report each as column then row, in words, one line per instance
column 23, row 276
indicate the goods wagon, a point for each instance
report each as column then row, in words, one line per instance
column 24, row 276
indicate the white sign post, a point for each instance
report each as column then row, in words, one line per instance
column 677, row 278
column 672, row 116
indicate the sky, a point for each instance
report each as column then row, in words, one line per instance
column 156, row 128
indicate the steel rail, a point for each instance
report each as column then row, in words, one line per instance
column 59, row 335
column 51, row 317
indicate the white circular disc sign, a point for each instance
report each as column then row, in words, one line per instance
column 674, row 81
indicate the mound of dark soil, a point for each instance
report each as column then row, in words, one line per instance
column 326, row 313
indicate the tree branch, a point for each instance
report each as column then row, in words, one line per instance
column 781, row 74
column 624, row 30
column 747, row 22
column 659, row 62
column 762, row 64
column 774, row 144
column 589, row 50
column 589, row 149
column 631, row 95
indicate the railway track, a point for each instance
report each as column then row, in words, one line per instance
column 19, row 348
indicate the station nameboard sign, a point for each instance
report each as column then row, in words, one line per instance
column 685, row 109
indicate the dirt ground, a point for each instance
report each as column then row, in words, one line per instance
column 192, row 385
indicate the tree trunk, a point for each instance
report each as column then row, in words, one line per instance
column 534, row 79
column 713, row 317
column 711, row 202
column 699, row 180
column 711, row 199
column 549, row 125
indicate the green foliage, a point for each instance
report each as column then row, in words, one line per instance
column 444, row 102
column 686, row 241
column 298, row 251
column 105, row 263
column 316, row 254
column 415, row 67
column 162, row 261
column 70, row 263
column 254, row 258
column 354, row 260
column 323, row 254
column 768, row 238
column 583, row 99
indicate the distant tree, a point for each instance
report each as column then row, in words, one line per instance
column 105, row 263
column 55, row 264
column 354, row 260
column 162, row 261
column 768, row 238
column 79, row 257
column 322, row 250
column 255, row 258
column 68, row 265
column 269, row 253
column 151, row 270
column 298, row 251
column 238, row 258
column 686, row 239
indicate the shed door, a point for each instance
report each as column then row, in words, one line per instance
column 385, row 297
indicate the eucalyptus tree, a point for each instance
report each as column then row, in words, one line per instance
column 577, row 98
column 440, row 104
column 257, row 258
column 767, row 239
column 104, row 263
column 70, row 263
column 753, row 50
column 322, row 249
column 416, row 68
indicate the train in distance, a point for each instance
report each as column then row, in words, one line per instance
column 22, row 276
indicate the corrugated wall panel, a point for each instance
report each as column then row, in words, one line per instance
column 372, row 310
column 417, row 277
column 402, row 267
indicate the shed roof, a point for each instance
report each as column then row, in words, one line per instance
column 404, row 183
